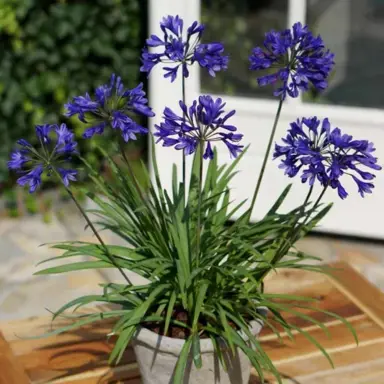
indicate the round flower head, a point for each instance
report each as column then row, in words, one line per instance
column 296, row 59
column 326, row 155
column 111, row 106
column 203, row 122
column 176, row 51
column 57, row 145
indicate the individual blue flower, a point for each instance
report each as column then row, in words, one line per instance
column 296, row 59
column 57, row 146
column 18, row 159
column 112, row 106
column 67, row 175
column 32, row 178
column 203, row 122
column 42, row 132
column 174, row 50
column 326, row 155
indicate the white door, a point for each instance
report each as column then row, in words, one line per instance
column 352, row 29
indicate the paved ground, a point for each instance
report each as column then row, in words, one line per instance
column 23, row 295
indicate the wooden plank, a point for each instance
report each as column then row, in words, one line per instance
column 23, row 328
column 63, row 360
column 128, row 374
column 339, row 337
column 328, row 298
column 368, row 372
column 11, row 371
column 314, row 366
column 359, row 290
column 22, row 345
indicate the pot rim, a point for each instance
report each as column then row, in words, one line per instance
column 173, row 345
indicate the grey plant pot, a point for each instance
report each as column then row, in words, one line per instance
column 157, row 357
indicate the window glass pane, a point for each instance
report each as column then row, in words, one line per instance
column 240, row 25
column 354, row 31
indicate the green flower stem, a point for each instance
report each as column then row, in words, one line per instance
column 198, row 228
column 308, row 196
column 277, row 117
column 291, row 234
column 89, row 222
column 184, row 171
column 317, row 202
column 130, row 170
column 183, row 154
column 279, row 254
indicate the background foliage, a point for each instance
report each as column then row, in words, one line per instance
column 54, row 49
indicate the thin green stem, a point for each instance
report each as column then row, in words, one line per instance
column 266, row 157
column 307, row 198
column 281, row 253
column 131, row 173
column 89, row 222
column 183, row 151
column 315, row 205
column 291, row 233
column 198, row 228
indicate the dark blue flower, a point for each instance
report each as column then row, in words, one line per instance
column 67, row 175
column 176, row 50
column 42, row 132
column 57, row 146
column 96, row 129
column 66, row 143
column 112, row 105
column 18, row 159
column 203, row 122
column 210, row 56
column 129, row 128
column 32, row 178
column 326, row 155
column 23, row 143
column 297, row 59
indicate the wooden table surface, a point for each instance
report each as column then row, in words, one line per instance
column 80, row 357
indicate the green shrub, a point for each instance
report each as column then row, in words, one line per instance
column 52, row 50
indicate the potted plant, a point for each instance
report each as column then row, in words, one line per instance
column 198, row 316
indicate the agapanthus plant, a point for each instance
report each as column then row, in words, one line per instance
column 204, row 273
column 175, row 50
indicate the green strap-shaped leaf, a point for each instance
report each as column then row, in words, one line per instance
column 178, row 376
column 81, row 265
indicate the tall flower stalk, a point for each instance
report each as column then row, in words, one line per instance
column 297, row 60
column 57, row 147
column 184, row 162
column 265, row 160
column 197, row 129
column 176, row 50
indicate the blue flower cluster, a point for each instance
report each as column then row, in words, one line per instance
column 325, row 154
column 297, row 59
column 202, row 122
column 177, row 51
column 112, row 105
column 32, row 163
